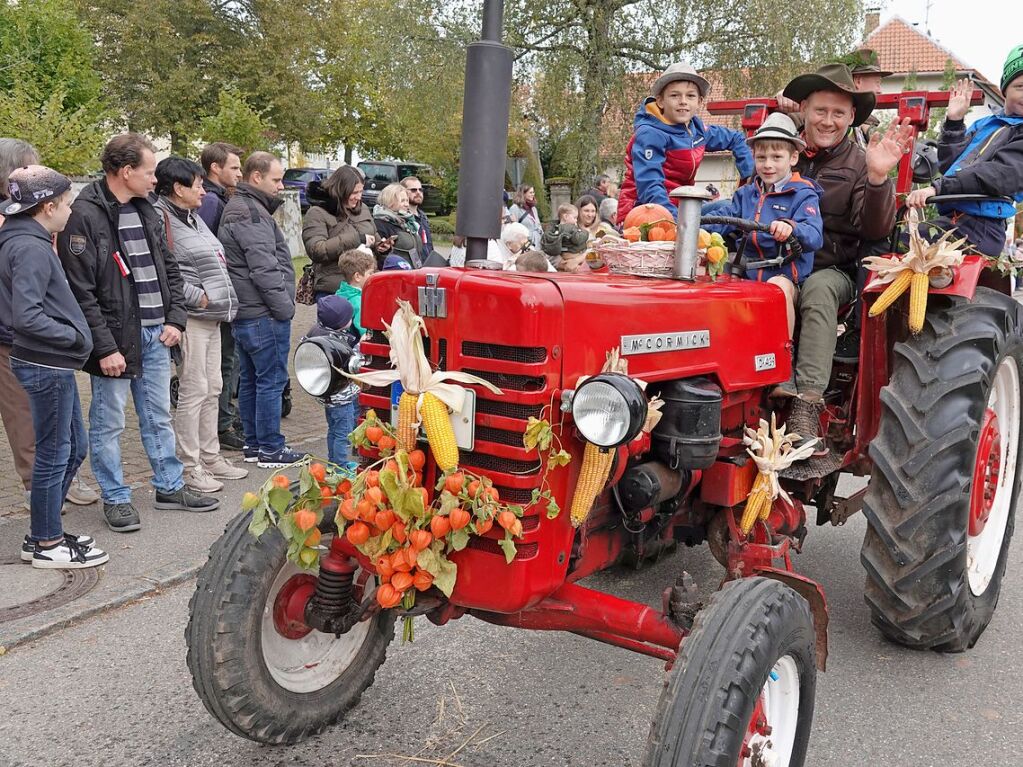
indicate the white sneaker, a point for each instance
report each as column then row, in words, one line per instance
column 69, row 554
column 80, row 493
column 221, row 468
column 28, row 547
column 201, row 481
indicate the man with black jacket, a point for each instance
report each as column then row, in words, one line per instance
column 259, row 262
column 222, row 165
column 858, row 204
column 114, row 251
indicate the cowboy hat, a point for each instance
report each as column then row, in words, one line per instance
column 832, row 77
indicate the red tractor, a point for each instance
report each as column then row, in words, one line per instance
column 278, row 653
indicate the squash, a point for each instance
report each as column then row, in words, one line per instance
column 648, row 213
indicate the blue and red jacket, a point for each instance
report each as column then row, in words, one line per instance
column 797, row 203
column 661, row 156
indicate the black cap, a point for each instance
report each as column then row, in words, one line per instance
column 31, row 186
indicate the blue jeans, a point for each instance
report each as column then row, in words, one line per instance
column 340, row 423
column 61, row 442
column 263, row 347
column 150, row 391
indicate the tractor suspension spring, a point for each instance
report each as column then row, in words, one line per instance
column 333, row 608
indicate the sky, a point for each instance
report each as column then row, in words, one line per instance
column 979, row 32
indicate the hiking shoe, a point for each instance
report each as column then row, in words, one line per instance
column 121, row 517
column 231, row 440
column 250, row 454
column 184, row 499
column 805, row 420
column 280, row 458
column 221, row 468
column 69, row 554
column 28, row 546
column 80, row 494
column 200, row 480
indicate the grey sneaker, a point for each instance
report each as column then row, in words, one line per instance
column 121, row 517
column 80, row 494
column 184, row 499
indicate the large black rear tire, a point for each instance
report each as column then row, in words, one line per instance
column 753, row 642
column 954, row 388
column 257, row 683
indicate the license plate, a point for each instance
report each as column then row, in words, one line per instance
column 463, row 424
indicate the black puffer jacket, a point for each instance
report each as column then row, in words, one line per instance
column 108, row 298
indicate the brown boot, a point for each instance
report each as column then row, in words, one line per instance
column 805, row 420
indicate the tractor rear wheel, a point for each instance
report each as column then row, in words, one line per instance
column 262, row 676
column 742, row 690
column 942, row 497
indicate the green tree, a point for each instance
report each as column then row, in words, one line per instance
column 236, row 122
column 50, row 94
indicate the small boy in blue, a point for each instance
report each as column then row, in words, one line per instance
column 788, row 203
column 334, row 318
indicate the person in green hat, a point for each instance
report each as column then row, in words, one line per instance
column 867, row 76
column 986, row 158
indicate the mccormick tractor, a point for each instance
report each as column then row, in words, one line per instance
column 649, row 394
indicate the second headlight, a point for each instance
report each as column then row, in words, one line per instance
column 609, row 409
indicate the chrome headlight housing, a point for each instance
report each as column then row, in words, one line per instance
column 319, row 362
column 609, row 409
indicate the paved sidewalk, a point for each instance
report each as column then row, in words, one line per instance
column 171, row 546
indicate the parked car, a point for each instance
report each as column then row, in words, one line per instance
column 381, row 173
column 299, row 178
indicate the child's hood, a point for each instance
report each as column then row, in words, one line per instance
column 649, row 115
column 797, row 186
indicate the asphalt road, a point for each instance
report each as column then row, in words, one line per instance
column 114, row 690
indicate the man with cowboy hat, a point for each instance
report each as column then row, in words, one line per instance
column 857, row 204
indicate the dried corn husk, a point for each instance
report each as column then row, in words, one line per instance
column 773, row 451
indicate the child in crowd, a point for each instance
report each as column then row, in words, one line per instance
column 986, row 158
column 334, row 318
column 355, row 266
column 52, row 340
column 783, row 200
column 669, row 140
column 533, row 261
column 394, row 262
column 566, row 236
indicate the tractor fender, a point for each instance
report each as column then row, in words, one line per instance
column 965, row 280
column 812, row 592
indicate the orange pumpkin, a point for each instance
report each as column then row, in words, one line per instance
column 632, row 234
column 647, row 213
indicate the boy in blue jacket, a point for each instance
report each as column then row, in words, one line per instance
column 986, row 158
column 669, row 140
column 783, row 200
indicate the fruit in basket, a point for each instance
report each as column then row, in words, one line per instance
column 648, row 213
column 632, row 234
column 663, row 232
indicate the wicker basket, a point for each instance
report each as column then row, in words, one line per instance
column 647, row 259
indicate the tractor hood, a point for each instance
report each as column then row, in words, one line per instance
column 732, row 329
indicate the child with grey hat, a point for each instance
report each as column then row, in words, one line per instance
column 669, row 140
column 51, row 341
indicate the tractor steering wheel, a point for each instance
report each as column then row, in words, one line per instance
column 791, row 249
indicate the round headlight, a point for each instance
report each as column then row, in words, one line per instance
column 609, row 409
column 318, row 362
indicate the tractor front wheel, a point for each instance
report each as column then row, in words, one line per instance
column 942, row 498
column 742, row 691
column 264, row 675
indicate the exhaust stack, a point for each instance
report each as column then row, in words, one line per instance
column 689, row 200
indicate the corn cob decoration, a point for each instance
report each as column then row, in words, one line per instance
column 439, row 433
column 408, row 422
column 914, row 271
column 773, row 451
column 592, row 478
column 427, row 395
column 596, row 464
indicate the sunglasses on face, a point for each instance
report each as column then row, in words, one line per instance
column 415, row 189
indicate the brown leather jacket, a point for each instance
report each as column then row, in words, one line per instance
column 854, row 211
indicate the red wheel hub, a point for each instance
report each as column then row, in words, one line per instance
column 985, row 473
column 289, row 606
column 757, row 726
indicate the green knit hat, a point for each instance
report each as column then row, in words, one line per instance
column 1013, row 66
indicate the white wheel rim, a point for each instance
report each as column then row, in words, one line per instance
column 983, row 549
column 316, row 660
column 780, row 700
